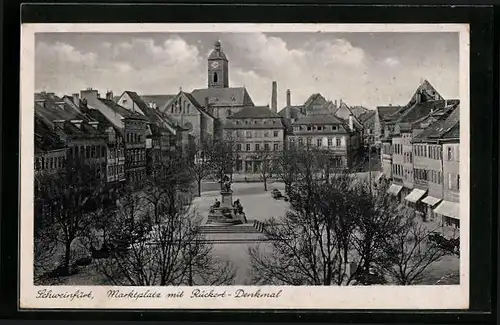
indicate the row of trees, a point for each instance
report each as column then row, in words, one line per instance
column 341, row 230
column 147, row 235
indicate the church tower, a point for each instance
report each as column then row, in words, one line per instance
column 218, row 68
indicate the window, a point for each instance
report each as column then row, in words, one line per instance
column 338, row 142
column 266, row 146
column 216, row 78
column 248, row 147
column 449, row 182
column 275, row 134
column 330, row 143
column 93, row 152
column 87, row 152
column 276, row 147
column 257, row 146
column 458, row 182
column 319, row 142
column 309, row 128
column 238, row 147
column 320, row 128
column 301, row 141
column 266, row 134
column 249, row 134
column 309, row 140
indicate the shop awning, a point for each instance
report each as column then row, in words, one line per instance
column 431, row 200
column 449, row 209
column 415, row 195
column 394, row 189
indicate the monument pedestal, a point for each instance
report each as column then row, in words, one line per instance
column 226, row 213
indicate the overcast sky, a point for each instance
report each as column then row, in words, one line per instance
column 367, row 69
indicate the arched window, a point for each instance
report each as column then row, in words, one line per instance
column 188, row 107
column 216, row 78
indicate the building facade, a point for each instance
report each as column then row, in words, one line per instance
column 327, row 132
column 254, row 130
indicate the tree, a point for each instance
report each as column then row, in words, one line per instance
column 222, row 157
column 201, row 167
column 168, row 251
column 287, row 165
column 311, row 243
column 409, row 252
column 264, row 159
column 68, row 199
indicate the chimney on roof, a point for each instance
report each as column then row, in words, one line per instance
column 335, row 103
column 89, row 94
column 340, row 102
column 288, row 98
column 109, row 95
column 76, row 99
column 390, row 105
column 274, row 97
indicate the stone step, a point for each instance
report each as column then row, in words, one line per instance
column 251, row 227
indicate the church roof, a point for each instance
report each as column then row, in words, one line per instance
column 255, row 112
column 217, row 53
column 224, row 97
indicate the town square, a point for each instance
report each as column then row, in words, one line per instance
column 246, row 183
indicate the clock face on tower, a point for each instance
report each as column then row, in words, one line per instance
column 214, row 64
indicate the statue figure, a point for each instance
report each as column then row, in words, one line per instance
column 216, row 204
column 227, row 183
column 237, row 205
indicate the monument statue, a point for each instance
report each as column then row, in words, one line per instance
column 226, row 183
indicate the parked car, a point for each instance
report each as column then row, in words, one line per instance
column 276, row 194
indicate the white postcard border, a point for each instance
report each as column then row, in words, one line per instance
column 305, row 297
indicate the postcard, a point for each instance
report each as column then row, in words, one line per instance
column 244, row 166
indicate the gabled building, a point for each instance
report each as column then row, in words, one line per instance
column 437, row 155
column 367, row 119
column 78, row 131
column 50, row 151
column 198, row 119
column 132, row 124
column 253, row 130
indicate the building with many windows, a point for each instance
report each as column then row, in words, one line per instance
column 253, row 130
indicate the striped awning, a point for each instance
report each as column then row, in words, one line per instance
column 394, row 189
column 449, row 209
column 431, row 200
column 415, row 195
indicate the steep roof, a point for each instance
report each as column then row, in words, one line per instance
column 120, row 109
column 222, row 96
column 440, row 127
column 53, row 108
column 369, row 114
column 385, row 112
column 313, row 98
column 293, row 111
column 419, row 110
column 254, row 112
column 137, row 99
column 45, row 137
column 357, row 111
column 160, row 100
column 453, row 132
